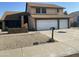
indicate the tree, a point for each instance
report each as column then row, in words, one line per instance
column 65, row 13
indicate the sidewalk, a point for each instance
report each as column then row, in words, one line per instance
column 44, row 50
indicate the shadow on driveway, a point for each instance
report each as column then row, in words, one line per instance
column 73, row 55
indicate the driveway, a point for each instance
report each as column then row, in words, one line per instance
column 67, row 36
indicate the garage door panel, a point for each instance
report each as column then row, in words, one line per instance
column 63, row 23
column 46, row 24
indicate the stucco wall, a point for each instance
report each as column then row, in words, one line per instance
column 31, row 23
column 48, row 11
column 61, row 11
column 51, row 11
column 33, row 10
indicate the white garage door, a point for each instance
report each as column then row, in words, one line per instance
column 63, row 23
column 46, row 24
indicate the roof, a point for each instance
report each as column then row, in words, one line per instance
column 9, row 13
column 73, row 14
column 44, row 5
column 50, row 16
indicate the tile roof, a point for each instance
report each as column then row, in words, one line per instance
column 7, row 13
column 44, row 5
column 74, row 14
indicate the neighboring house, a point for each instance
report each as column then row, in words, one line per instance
column 37, row 17
column 45, row 16
column 74, row 18
column 12, row 19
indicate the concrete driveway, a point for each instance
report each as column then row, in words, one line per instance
column 67, row 44
column 67, row 36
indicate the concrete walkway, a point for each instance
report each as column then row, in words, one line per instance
column 67, row 43
column 44, row 50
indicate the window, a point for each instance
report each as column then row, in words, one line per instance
column 40, row 10
column 43, row 10
column 37, row 10
column 57, row 10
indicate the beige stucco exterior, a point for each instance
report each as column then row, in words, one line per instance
column 46, row 17
column 61, row 11
column 51, row 12
column 31, row 23
column 32, row 10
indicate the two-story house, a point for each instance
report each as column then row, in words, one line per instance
column 45, row 16
column 42, row 17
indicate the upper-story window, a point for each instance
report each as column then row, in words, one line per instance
column 37, row 10
column 41, row 10
column 57, row 10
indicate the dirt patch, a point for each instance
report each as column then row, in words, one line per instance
column 18, row 41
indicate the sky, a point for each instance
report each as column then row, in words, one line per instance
column 11, row 6
column 20, row 6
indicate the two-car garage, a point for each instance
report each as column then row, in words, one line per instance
column 45, row 24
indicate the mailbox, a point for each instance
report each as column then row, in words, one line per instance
column 52, row 28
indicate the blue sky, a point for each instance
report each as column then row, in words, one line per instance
column 11, row 6
column 70, row 6
column 20, row 6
